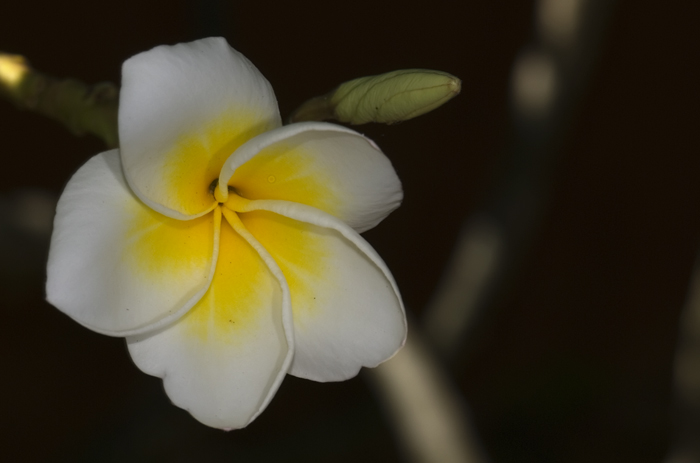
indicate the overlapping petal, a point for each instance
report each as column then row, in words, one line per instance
column 322, row 165
column 118, row 267
column 225, row 359
column 346, row 307
column 183, row 110
column 223, row 309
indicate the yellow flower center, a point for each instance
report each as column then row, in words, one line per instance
column 217, row 195
column 234, row 202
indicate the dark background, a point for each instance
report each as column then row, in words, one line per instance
column 574, row 361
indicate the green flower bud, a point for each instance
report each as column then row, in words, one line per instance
column 394, row 96
column 387, row 98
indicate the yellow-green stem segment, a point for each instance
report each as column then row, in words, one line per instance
column 79, row 107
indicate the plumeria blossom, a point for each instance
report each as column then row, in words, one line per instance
column 224, row 246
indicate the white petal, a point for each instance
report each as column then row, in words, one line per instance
column 322, row 165
column 225, row 359
column 183, row 110
column 118, row 267
column 347, row 309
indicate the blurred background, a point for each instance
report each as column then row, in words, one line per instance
column 568, row 352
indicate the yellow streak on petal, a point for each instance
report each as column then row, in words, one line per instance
column 197, row 157
column 287, row 172
column 159, row 247
column 298, row 251
column 242, row 290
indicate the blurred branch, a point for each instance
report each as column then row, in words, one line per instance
column 81, row 108
column 547, row 81
column 686, row 377
column 386, row 98
column 427, row 412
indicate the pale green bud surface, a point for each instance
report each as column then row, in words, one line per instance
column 386, row 98
column 394, row 96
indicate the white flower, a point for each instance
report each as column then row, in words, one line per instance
column 223, row 246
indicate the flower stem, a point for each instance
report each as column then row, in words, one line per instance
column 79, row 107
